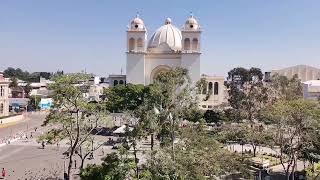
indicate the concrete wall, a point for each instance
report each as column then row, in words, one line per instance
column 153, row 63
column 135, row 68
column 4, row 99
column 12, row 119
column 191, row 61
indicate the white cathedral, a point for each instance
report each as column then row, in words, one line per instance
column 167, row 48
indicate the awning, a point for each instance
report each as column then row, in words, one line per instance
column 122, row 130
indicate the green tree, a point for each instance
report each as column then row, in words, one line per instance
column 34, row 102
column 212, row 116
column 202, row 85
column 198, row 156
column 17, row 73
column 282, row 87
column 116, row 166
column 124, row 97
column 72, row 114
column 14, row 82
column 176, row 98
column 247, row 97
column 294, row 123
column 27, row 89
column 255, row 135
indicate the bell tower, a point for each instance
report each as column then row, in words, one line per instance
column 136, row 50
column 190, row 58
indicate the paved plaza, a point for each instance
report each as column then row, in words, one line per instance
column 24, row 158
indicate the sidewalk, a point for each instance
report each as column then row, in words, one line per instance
column 12, row 120
column 4, row 125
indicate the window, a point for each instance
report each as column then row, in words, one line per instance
column 140, row 43
column 210, row 86
column 216, row 88
column 195, row 44
column 1, row 91
column 131, row 44
column 187, row 44
column 115, row 82
column 1, row 108
column 210, row 107
column 204, row 106
column 121, row 82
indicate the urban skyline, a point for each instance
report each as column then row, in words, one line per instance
column 69, row 36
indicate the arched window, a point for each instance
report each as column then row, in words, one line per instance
column 131, row 44
column 140, row 43
column 1, row 108
column 195, row 44
column 210, row 86
column 1, row 91
column 121, row 82
column 187, row 44
column 216, row 88
column 115, row 82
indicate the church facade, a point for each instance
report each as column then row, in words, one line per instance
column 167, row 48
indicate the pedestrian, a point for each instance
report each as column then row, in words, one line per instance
column 42, row 144
column 31, row 135
column 3, row 173
column 102, row 151
column 58, row 145
column 35, row 129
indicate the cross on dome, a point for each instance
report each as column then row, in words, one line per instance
column 191, row 14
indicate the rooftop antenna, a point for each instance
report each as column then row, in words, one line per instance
column 137, row 15
column 121, row 71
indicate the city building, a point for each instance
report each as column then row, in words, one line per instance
column 167, row 48
column 41, row 88
column 304, row 72
column 46, row 103
column 116, row 79
column 311, row 90
column 17, row 92
column 214, row 94
column 95, row 93
column 4, row 96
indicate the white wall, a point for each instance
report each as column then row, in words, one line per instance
column 191, row 61
column 12, row 119
column 5, row 99
column 311, row 92
column 135, row 68
column 152, row 63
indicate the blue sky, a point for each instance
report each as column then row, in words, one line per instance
column 70, row 35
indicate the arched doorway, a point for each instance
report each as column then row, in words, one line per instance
column 157, row 70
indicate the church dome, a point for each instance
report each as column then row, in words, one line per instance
column 167, row 34
column 191, row 24
column 137, row 23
